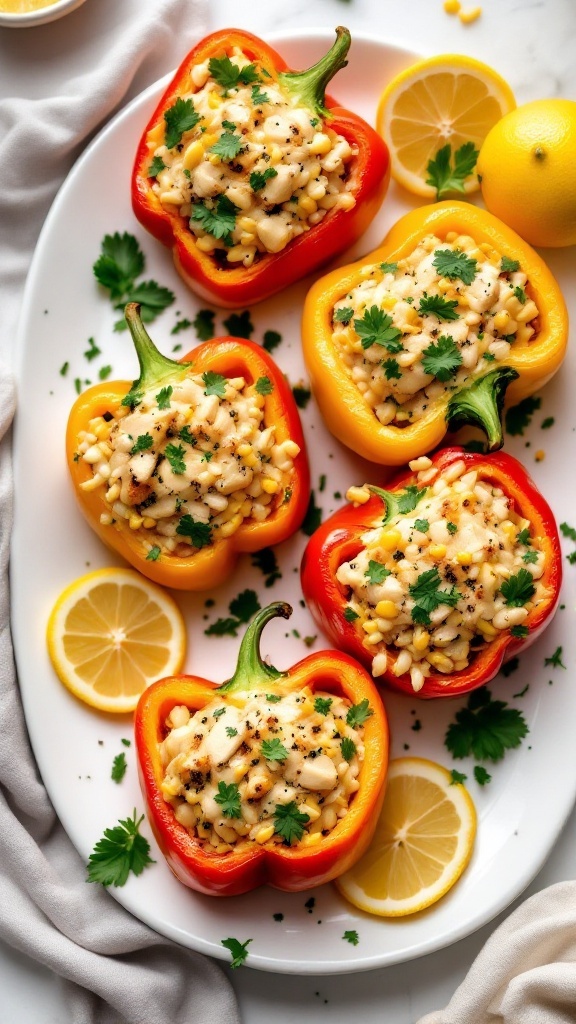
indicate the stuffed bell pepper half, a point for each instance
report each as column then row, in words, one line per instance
column 452, row 314
column 274, row 777
column 250, row 173
column 192, row 464
column 436, row 581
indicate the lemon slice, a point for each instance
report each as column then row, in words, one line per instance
column 423, row 842
column 110, row 634
column 446, row 99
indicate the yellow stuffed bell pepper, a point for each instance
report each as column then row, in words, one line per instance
column 432, row 331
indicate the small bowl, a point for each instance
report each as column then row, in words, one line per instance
column 29, row 19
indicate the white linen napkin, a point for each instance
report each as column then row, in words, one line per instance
column 116, row 970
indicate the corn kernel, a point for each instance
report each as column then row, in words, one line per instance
column 251, row 461
column 264, row 834
column 437, row 550
column 358, row 494
column 308, row 205
column 539, row 455
column 206, row 244
column 291, row 449
column 270, row 486
column 486, row 628
column 148, row 523
column 106, row 519
column 155, row 136
column 390, row 539
column 320, row 145
column 421, row 640
column 467, row 17
column 214, row 159
column 275, row 154
column 440, row 661
column 170, row 788
column 193, row 155
column 451, row 6
column 227, row 529
column 239, row 771
column 370, row 626
column 135, row 521
column 386, row 610
column 311, row 838
column 502, row 320
column 388, row 302
column 464, row 558
column 214, row 100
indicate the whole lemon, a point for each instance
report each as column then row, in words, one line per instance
column 527, row 167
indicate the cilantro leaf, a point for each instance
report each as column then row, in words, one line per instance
column 348, row 748
column 258, row 96
column 322, row 705
column 343, row 315
column 186, row 436
column 92, row 351
column 455, row 264
column 441, row 360
column 119, row 767
column 215, row 383
column 271, row 340
column 199, row 533
column 302, row 395
column 391, row 369
column 518, row 417
column 152, row 299
column 376, row 328
column 258, row 179
column 531, row 557
column 163, row 397
column 245, row 605
column 120, row 851
column 351, row 936
column 120, row 263
column 556, row 659
column 452, row 528
column 266, row 561
column 156, row 166
column 179, row 118
column 204, row 324
column 228, row 75
column 175, row 454
column 524, row 537
column 264, row 386
column 518, row 589
column 227, row 146
column 219, row 219
column 422, row 525
column 289, row 822
column 519, row 631
column 358, row 713
column 508, row 266
column 154, row 554
column 458, row 778
column 388, row 268
column 223, row 627
column 409, row 498
column 520, row 295
column 547, row 423
column 180, row 325
column 427, row 596
column 313, row 517
column 239, row 325
column 350, row 615
column 481, row 775
column 446, row 178
column 273, row 750
column 231, row 731
column 568, row 531
column 486, row 728
column 438, row 306
column 142, row 443
column 228, row 798
column 376, row 572
column 238, row 950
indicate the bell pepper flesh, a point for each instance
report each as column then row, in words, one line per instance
column 527, row 368
column 338, row 540
column 211, row 565
column 290, row 868
column 369, row 177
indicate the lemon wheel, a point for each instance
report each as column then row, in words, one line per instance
column 423, row 842
column 110, row 634
column 446, row 99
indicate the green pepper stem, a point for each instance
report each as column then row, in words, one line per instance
column 155, row 369
column 251, row 672
column 480, row 405
column 309, row 87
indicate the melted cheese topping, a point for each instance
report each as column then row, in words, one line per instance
column 231, row 766
column 463, row 540
column 423, row 355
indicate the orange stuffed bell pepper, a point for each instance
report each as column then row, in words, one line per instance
column 194, row 463
column 430, row 332
column 251, row 174
column 438, row 580
column 274, row 777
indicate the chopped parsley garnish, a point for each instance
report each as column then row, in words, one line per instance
column 231, row 731
column 510, row 666
column 452, row 528
column 556, row 659
column 446, row 177
column 258, row 179
column 422, row 525
column 180, row 325
column 441, row 360
column 518, row 589
column 175, row 454
column 92, row 351
column 359, row 713
column 228, row 798
column 239, row 325
column 179, row 118
column 186, row 436
column 154, row 554
column 64, row 369
column 229, row 75
column 350, row 615
column 142, row 443
column 271, row 340
column 531, row 557
column 313, row 517
column 273, row 750
column 524, row 537
column 376, row 572
column 204, row 324
column 238, row 950
column 289, row 822
column 227, row 146
column 485, row 728
column 273, row 698
column 376, row 328
column 455, row 264
column 119, row 768
column 163, row 397
column 199, row 533
column 568, row 531
column 343, row 315
column 547, row 423
column 266, row 561
column 518, row 417
column 156, row 166
column 258, row 96
column 264, row 386
column 219, row 219
column 519, row 631
column 120, row 851
column 388, row 268
column 119, row 264
column 241, row 609
column 347, row 748
column 458, row 778
column 152, row 299
column 481, row 775
column 391, row 369
column 489, row 357
column 427, row 596
column 302, row 395
column 508, row 266
column 438, row 306
column 322, row 705
column 409, row 498
column 520, row 295
column 214, row 383
column 351, row 936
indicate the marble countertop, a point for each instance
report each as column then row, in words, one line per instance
column 531, row 44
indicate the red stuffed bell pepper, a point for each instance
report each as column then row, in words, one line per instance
column 274, row 777
column 438, row 580
column 251, row 174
